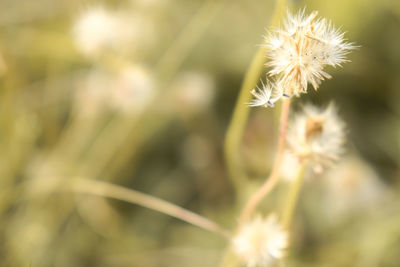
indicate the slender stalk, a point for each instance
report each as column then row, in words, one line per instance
column 103, row 189
column 229, row 259
column 239, row 119
column 274, row 176
column 294, row 192
column 238, row 122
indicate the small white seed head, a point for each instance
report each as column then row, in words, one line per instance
column 98, row 30
column 300, row 50
column 261, row 241
column 317, row 136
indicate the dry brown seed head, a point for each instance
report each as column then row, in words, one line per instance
column 314, row 127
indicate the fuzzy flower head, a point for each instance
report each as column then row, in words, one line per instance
column 300, row 50
column 99, row 29
column 261, row 242
column 133, row 90
column 129, row 91
column 317, row 136
column 266, row 95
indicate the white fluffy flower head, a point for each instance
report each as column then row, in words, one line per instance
column 300, row 50
column 317, row 136
column 261, row 241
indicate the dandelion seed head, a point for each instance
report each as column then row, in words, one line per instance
column 262, row 241
column 300, row 50
column 317, row 136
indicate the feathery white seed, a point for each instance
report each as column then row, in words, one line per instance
column 265, row 96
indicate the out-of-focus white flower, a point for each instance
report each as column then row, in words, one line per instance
column 267, row 95
column 129, row 91
column 317, row 136
column 99, row 29
column 193, row 91
column 133, row 90
column 261, row 241
column 352, row 186
column 300, row 50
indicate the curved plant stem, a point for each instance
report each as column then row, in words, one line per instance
column 103, row 189
column 293, row 196
column 274, row 176
column 238, row 122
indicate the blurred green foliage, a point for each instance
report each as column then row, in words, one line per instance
column 150, row 113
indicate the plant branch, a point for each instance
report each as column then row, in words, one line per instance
column 274, row 176
column 103, row 189
column 240, row 115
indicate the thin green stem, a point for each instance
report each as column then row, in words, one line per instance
column 103, row 189
column 236, row 129
column 293, row 197
column 239, row 119
column 238, row 122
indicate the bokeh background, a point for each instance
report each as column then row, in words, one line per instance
column 148, row 109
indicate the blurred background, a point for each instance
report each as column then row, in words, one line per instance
column 140, row 93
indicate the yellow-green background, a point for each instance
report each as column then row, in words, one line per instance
column 174, row 151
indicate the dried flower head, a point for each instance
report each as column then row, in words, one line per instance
column 300, row 50
column 261, row 241
column 317, row 136
column 266, row 96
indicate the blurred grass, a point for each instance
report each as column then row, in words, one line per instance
column 62, row 115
